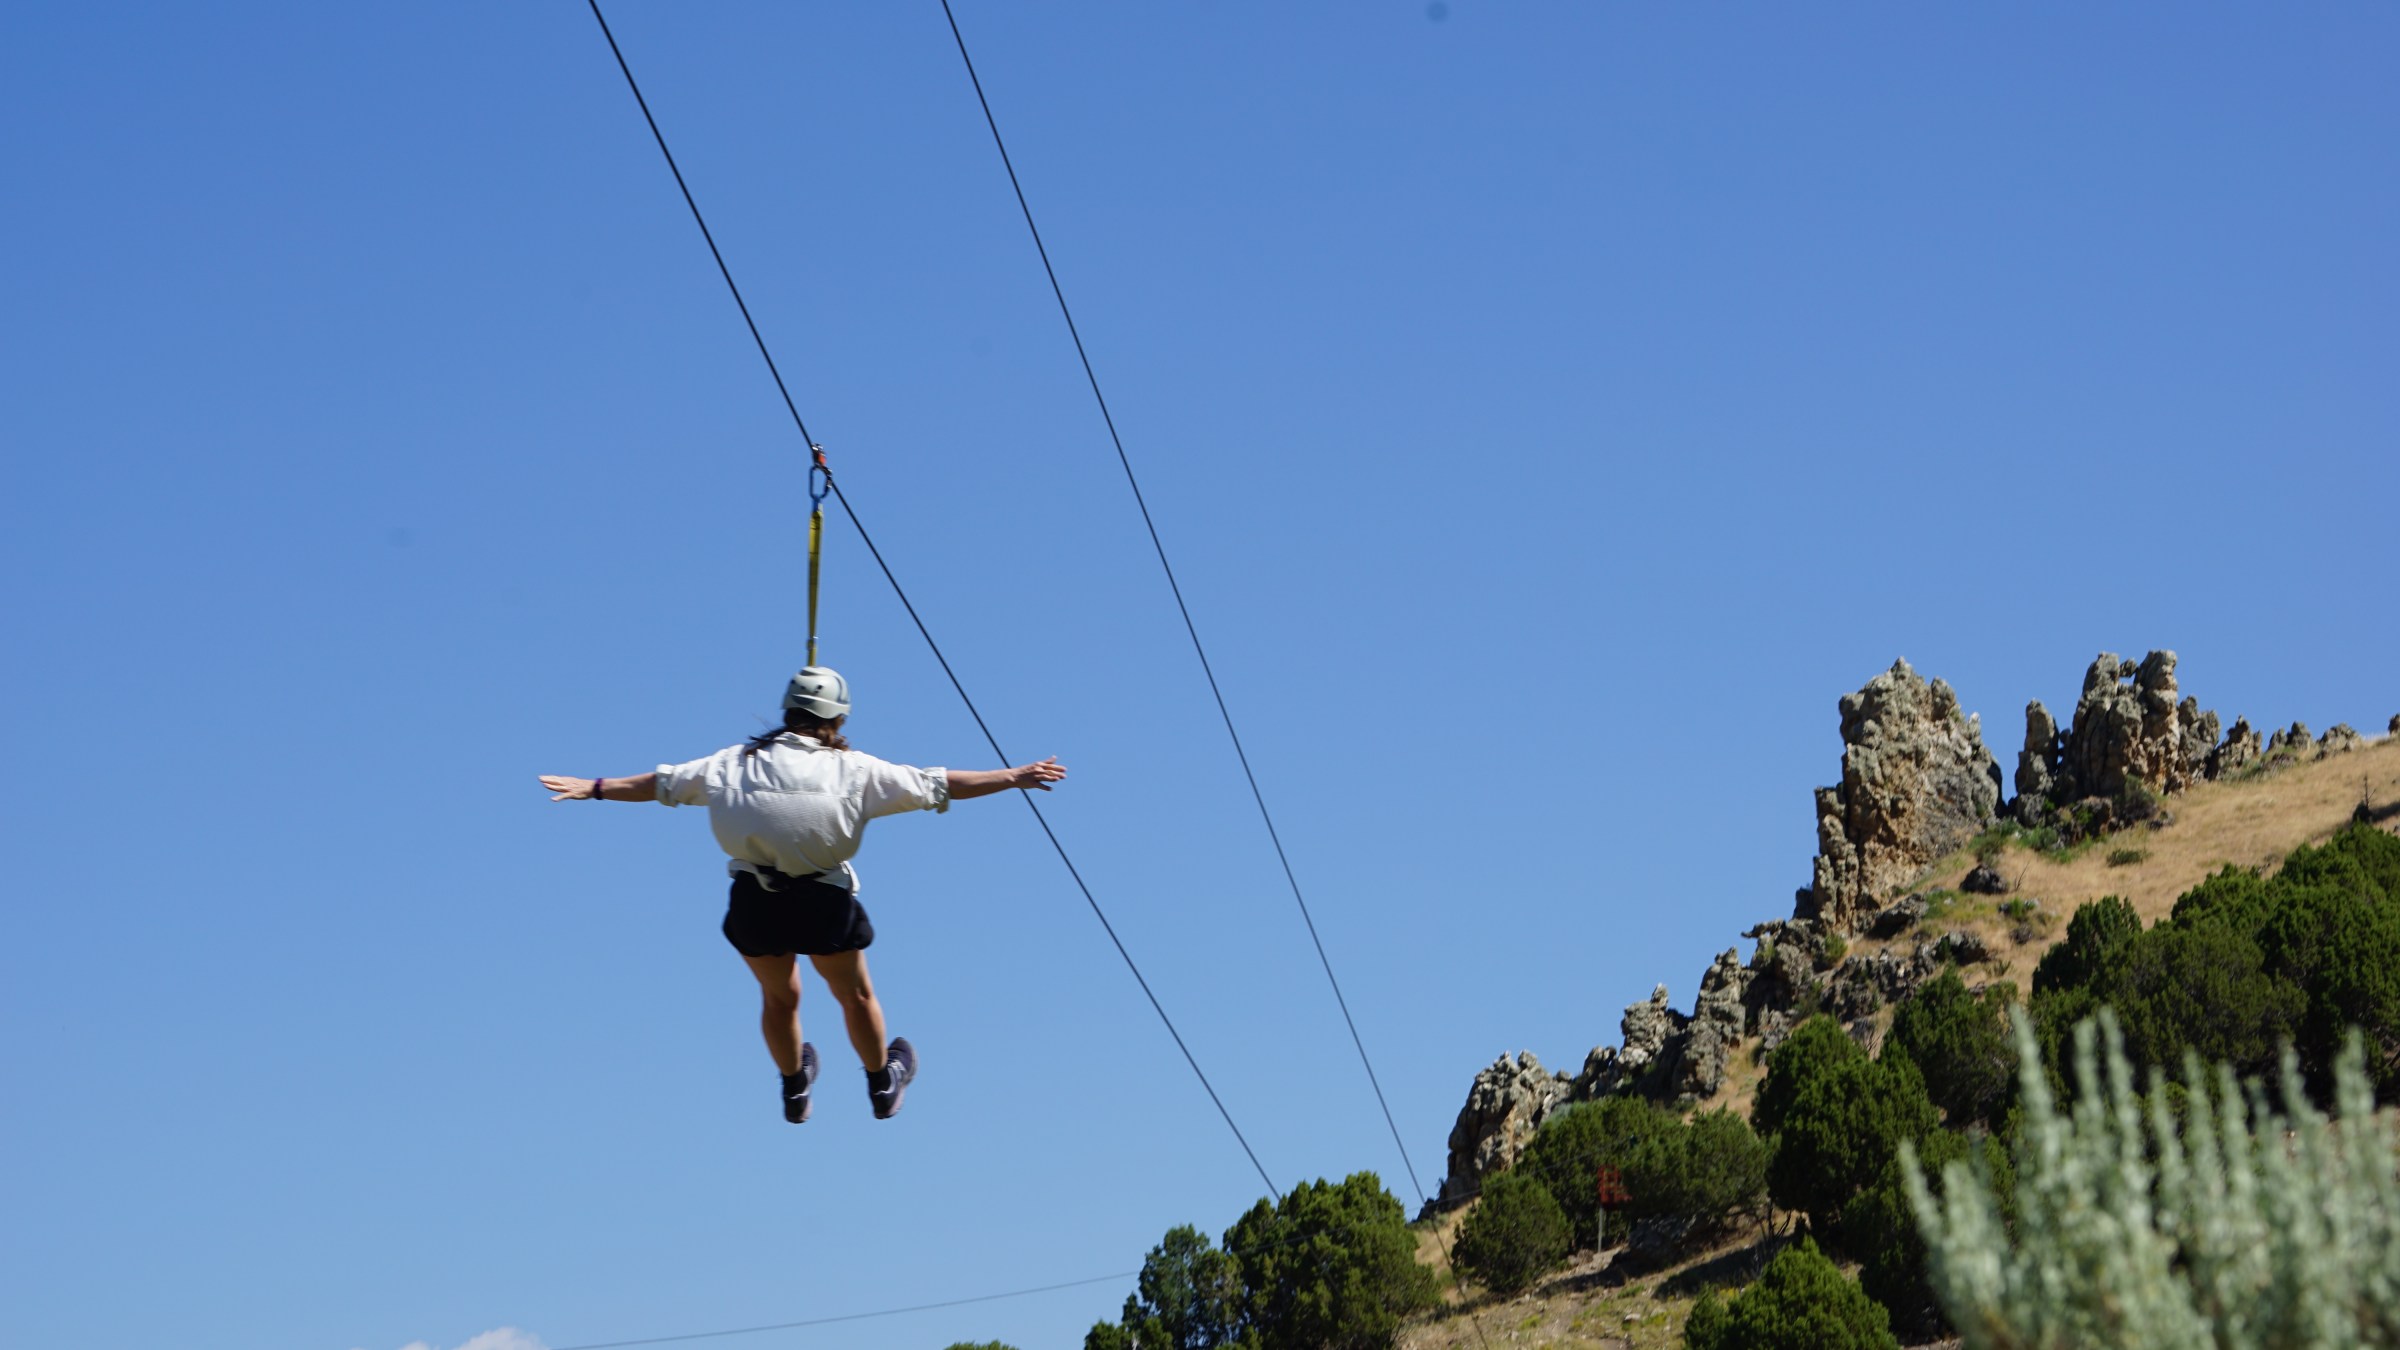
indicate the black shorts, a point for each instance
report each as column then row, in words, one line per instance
column 805, row 918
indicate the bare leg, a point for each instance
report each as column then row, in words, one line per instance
column 846, row 975
column 779, row 1007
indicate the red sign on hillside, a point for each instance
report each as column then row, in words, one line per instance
column 1612, row 1187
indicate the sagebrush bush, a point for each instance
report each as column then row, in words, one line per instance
column 2234, row 1228
column 1515, row 1234
column 1802, row 1301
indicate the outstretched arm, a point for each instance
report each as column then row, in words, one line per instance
column 642, row 787
column 965, row 783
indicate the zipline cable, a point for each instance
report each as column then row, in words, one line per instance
column 1199, row 649
column 843, row 499
column 1188, row 625
column 1295, row 1239
column 851, row 1317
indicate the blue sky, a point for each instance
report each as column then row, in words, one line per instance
column 1552, row 409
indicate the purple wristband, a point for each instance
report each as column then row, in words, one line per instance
column 598, row 785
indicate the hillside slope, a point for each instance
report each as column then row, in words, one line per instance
column 2254, row 820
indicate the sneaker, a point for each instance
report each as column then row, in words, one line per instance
column 796, row 1085
column 899, row 1068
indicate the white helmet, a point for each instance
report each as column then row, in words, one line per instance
column 818, row 691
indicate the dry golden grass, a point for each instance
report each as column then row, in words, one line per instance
column 1574, row 1308
column 2254, row 822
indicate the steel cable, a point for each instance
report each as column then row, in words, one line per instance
column 914, row 617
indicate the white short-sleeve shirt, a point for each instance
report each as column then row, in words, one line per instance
column 796, row 806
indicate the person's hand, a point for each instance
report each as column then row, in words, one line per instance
column 1040, row 775
column 570, row 789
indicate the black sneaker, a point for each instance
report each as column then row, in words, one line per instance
column 899, row 1067
column 796, row 1085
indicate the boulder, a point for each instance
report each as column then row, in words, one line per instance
column 1652, row 1241
column 1984, row 879
column 2338, row 739
column 1508, row 1102
column 2295, row 738
column 1897, row 917
column 1965, row 948
column 2393, row 729
column 1917, row 783
column 1861, row 984
column 1854, row 992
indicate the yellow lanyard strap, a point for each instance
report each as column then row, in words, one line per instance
column 816, row 536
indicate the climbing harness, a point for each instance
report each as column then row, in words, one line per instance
column 820, row 483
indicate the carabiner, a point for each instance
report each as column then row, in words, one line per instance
column 817, row 467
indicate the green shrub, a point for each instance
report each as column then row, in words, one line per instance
column 1960, row 1044
column 1706, row 1173
column 1836, row 1118
column 2126, row 857
column 2235, row 1229
column 1514, row 1235
column 1624, row 1132
column 1719, row 1175
column 1706, row 1327
column 2334, row 933
column 2205, row 989
column 1801, row 1302
column 2245, row 964
column 1880, row 1229
column 1330, row 1267
column 1188, row 1297
column 2096, row 935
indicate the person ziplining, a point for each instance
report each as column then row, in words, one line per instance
column 789, row 807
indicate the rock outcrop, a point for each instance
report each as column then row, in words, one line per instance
column 2130, row 728
column 2037, row 763
column 1508, row 1102
column 1917, row 783
column 2242, row 748
column 1647, row 1027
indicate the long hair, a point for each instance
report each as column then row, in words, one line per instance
column 805, row 723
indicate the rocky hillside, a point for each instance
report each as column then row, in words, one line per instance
column 1924, row 860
